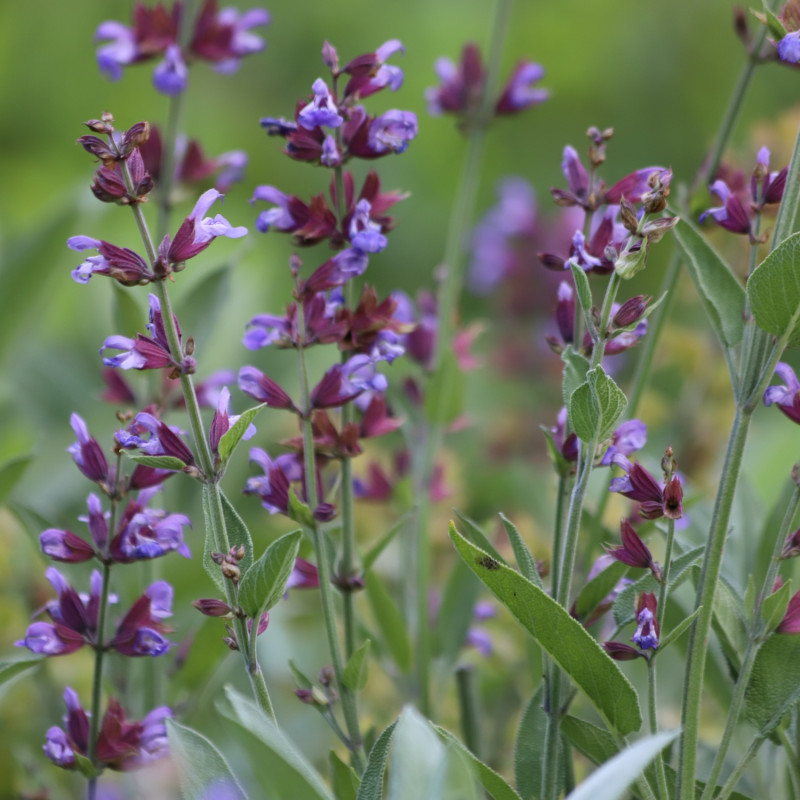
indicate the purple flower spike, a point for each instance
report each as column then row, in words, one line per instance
column 392, row 131
column 171, row 75
column 786, row 397
column 321, row 110
column 519, row 92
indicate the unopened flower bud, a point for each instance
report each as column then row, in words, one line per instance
column 631, row 311
column 238, row 552
column 103, row 125
column 231, row 572
column 654, row 230
column 326, row 675
column 622, row 652
column 212, row 607
column 189, row 346
column 628, row 216
column 217, row 558
column 632, row 260
column 329, row 56
column 791, row 546
column 135, row 136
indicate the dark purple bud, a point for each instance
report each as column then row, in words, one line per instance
column 634, row 551
column 87, row 453
column 257, row 385
column 631, row 311
column 212, row 607
column 622, row 652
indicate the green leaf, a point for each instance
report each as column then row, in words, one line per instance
column 10, row 473
column 390, row 621
column 296, row 774
column 299, row 511
column 85, row 766
column 201, row 767
column 444, row 397
column 372, row 554
column 416, row 756
column 476, row 535
column 774, row 685
column 775, row 606
column 493, row 783
column 344, row 780
column 525, row 560
column 233, row 435
column 774, row 291
column 611, row 781
column 598, row 588
column 563, row 637
column 729, row 623
column 677, row 631
column 265, row 582
column 575, row 368
column 371, row 787
column 776, row 28
column 236, row 530
column 529, row 748
column 719, row 288
column 355, row 673
column 17, row 664
column 582, row 288
column 300, row 678
column 596, row 406
column 456, row 613
column 453, row 778
column 159, row 462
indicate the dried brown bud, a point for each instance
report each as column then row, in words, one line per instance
column 628, row 216
column 231, row 572
column 135, row 136
column 101, row 125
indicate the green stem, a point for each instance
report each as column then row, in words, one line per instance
column 792, row 759
column 752, row 645
column 461, row 216
column 652, row 696
column 206, row 463
column 709, row 575
column 319, row 540
column 167, row 173
column 730, row 784
column 470, row 709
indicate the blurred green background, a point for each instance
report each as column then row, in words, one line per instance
column 660, row 74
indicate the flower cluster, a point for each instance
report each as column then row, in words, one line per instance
column 463, row 86
column 742, row 207
column 121, row 744
column 221, row 37
column 77, row 619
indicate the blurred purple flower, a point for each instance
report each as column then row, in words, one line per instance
column 787, row 397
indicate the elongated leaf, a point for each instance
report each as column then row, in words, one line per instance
column 525, row 560
column 775, row 606
column 453, row 778
column 15, row 665
column 729, row 623
column 611, row 781
column 719, row 288
column 476, row 535
column 563, row 637
column 371, row 556
column 494, row 784
column 236, row 530
column 774, row 685
column 444, row 399
column 774, row 291
column 202, row 769
column 529, row 748
column 596, row 406
column 343, row 778
column 456, row 612
column 582, row 288
column 297, row 776
column 675, row 633
column 371, row 787
column 265, row 582
column 159, row 462
column 416, row 756
column 355, row 673
column 199, row 309
column 598, row 746
column 390, row 621
column 10, row 473
column 234, row 434
column 575, row 368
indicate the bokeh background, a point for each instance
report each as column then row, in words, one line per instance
column 660, row 74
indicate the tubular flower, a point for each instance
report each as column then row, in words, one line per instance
column 119, row 263
column 154, row 438
column 121, row 744
column 647, row 632
column 787, row 397
column 634, row 552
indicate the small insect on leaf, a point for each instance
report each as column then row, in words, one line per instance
column 487, row 562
